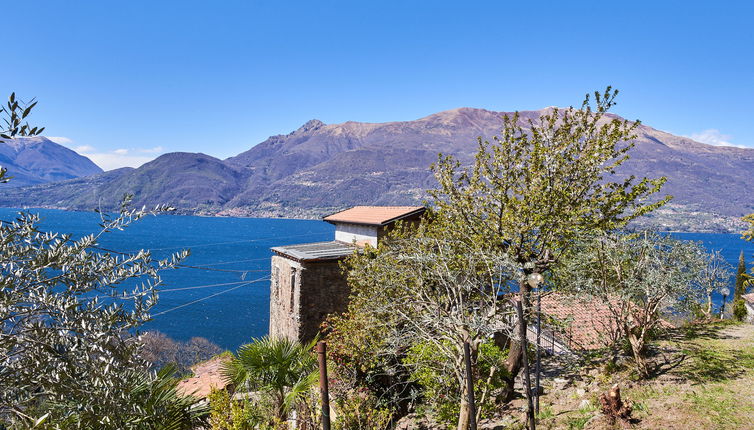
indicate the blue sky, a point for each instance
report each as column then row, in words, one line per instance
column 126, row 81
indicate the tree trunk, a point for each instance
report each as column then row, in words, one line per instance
column 637, row 348
column 514, row 362
column 709, row 305
column 463, row 416
column 465, row 413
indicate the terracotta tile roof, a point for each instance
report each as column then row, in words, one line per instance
column 585, row 323
column 374, row 215
column 207, row 375
column 748, row 297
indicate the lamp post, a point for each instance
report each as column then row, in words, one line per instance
column 725, row 291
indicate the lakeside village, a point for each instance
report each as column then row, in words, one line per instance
column 517, row 298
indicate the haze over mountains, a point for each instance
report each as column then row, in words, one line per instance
column 321, row 168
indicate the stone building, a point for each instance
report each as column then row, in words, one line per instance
column 306, row 281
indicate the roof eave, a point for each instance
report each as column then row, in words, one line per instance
column 417, row 211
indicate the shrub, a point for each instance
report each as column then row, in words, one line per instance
column 440, row 396
column 360, row 410
column 739, row 310
column 226, row 414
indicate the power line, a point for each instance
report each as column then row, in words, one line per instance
column 196, row 287
column 232, row 242
column 187, row 266
column 209, row 297
column 233, row 262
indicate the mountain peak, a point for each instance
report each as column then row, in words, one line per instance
column 310, row 125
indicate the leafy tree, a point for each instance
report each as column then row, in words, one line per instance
column 425, row 288
column 66, row 320
column 440, row 390
column 739, row 310
column 541, row 184
column 638, row 277
column 67, row 353
column 715, row 276
column 281, row 369
column 741, row 278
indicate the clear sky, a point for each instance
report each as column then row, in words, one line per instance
column 126, row 81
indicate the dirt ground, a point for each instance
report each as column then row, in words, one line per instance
column 703, row 378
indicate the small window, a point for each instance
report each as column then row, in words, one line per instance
column 293, row 286
column 276, row 281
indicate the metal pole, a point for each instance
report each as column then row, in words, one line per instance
column 469, row 386
column 722, row 309
column 538, row 370
column 323, row 391
column 527, row 381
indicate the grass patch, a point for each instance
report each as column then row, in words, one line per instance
column 577, row 423
column 705, row 330
column 710, row 361
column 721, row 406
column 545, row 413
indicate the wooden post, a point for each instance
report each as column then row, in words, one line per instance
column 323, row 389
column 527, row 381
column 469, row 386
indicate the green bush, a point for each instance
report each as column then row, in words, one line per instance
column 739, row 310
column 226, row 414
column 441, row 391
column 360, row 410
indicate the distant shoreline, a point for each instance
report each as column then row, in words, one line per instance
column 667, row 216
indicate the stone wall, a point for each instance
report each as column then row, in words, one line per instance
column 285, row 281
column 302, row 295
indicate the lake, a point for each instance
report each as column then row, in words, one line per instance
column 227, row 300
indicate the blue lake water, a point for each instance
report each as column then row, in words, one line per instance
column 241, row 246
column 235, row 244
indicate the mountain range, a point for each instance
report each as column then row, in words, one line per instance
column 320, row 168
column 35, row 160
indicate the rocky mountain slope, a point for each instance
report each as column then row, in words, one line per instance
column 320, row 168
column 35, row 160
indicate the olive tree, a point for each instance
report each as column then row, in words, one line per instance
column 67, row 320
column 542, row 183
column 638, row 277
column 714, row 276
column 426, row 288
column 68, row 354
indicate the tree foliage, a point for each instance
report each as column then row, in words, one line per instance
column 714, row 276
column 741, row 278
column 160, row 350
column 423, row 287
column 637, row 277
column 541, row 184
column 14, row 114
column 66, row 323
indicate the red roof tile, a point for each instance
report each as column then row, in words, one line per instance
column 586, row 323
column 207, row 375
column 374, row 215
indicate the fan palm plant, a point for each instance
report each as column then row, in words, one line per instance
column 277, row 367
